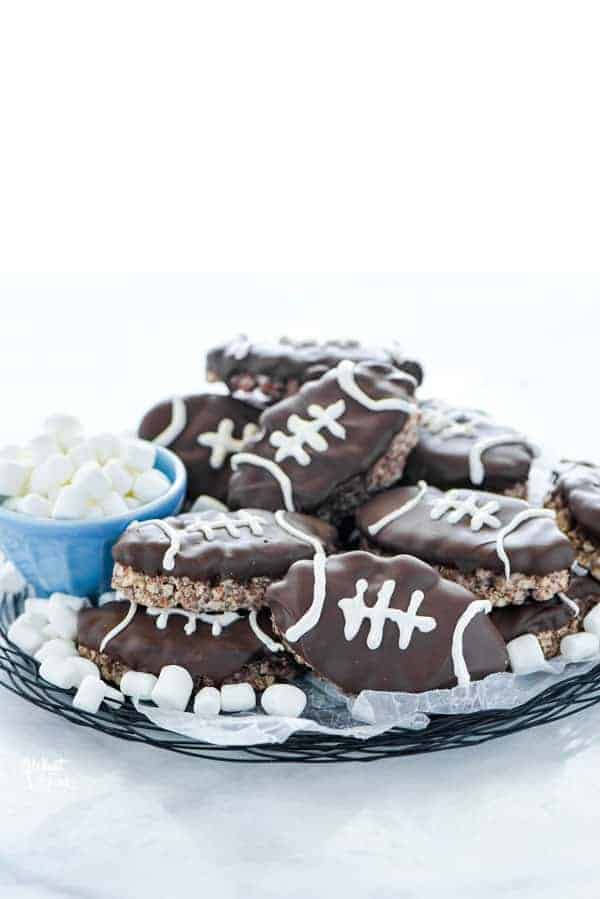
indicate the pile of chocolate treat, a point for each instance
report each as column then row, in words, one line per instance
column 337, row 522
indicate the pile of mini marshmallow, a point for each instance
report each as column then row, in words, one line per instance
column 47, row 630
column 61, row 474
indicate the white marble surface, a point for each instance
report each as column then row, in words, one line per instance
column 85, row 816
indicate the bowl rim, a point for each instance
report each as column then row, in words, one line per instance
column 71, row 525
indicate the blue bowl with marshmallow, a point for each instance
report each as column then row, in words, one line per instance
column 67, row 501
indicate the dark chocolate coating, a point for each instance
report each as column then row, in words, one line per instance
column 204, row 411
column 144, row 647
column 579, row 487
column 536, row 617
column 268, row 555
column 303, row 361
column 536, row 547
column 584, row 587
column 368, row 436
column 426, row 663
column 444, row 462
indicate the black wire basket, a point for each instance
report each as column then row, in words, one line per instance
column 19, row 674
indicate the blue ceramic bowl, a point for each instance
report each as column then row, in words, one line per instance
column 75, row 556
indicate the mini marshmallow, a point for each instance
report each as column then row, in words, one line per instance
column 131, row 502
column 94, row 511
column 90, row 694
column 104, row 447
column 66, row 430
column 39, row 448
column 66, row 600
column 111, row 694
column 120, row 478
column 591, row 622
column 207, row 702
column 27, row 638
column 38, row 606
column 173, row 688
column 80, row 454
column 81, row 668
column 138, row 455
column 11, row 579
column 57, row 670
column 57, row 648
column 63, row 621
column 149, row 485
column 109, row 596
column 237, row 698
column 71, row 503
column 526, row 654
column 36, row 506
column 283, row 699
column 11, row 451
column 35, row 619
column 204, row 503
column 113, row 504
column 13, row 477
column 54, row 471
column 92, row 481
column 138, row 684
column 576, row 647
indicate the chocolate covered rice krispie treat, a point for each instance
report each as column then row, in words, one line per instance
column 460, row 447
column 576, row 500
column 366, row 622
column 215, row 648
column 332, row 445
column 279, row 368
column 213, row 561
column 203, row 430
column 499, row 547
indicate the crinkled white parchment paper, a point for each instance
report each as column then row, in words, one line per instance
column 373, row 712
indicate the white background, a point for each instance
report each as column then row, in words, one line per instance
column 353, row 136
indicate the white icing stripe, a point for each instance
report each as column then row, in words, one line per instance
column 304, row 430
column 206, row 528
column 271, row 645
column 217, row 621
column 392, row 516
column 456, row 509
column 177, row 424
column 285, row 525
column 355, row 611
column 313, row 613
column 570, row 603
column 280, row 476
column 476, row 466
column 173, row 535
column 517, row 521
column 461, row 672
column 222, row 442
column 347, row 382
column 119, row 627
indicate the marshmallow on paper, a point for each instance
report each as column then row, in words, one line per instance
column 138, row 684
column 207, row 702
column 173, row 688
column 283, row 699
column 28, row 638
column 526, row 655
column 577, row 647
column 56, row 647
column 90, row 694
column 237, row 698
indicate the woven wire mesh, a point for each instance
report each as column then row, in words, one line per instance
column 19, row 674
